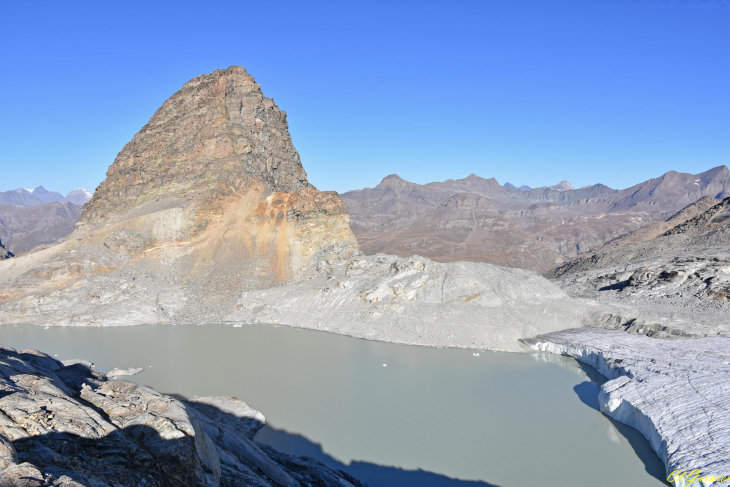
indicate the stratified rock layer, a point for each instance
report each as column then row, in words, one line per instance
column 675, row 392
column 68, row 426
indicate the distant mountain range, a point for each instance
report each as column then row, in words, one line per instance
column 29, row 218
column 561, row 186
column 41, row 196
column 25, row 227
column 478, row 219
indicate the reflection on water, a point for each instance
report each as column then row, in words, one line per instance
column 432, row 417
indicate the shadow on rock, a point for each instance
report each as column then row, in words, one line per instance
column 615, row 287
column 64, row 424
column 375, row 475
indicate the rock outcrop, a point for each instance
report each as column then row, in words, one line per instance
column 679, row 278
column 208, row 199
column 207, row 215
column 4, row 254
column 675, row 392
column 68, row 426
column 218, row 136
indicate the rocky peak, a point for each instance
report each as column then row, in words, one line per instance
column 562, row 186
column 396, row 183
column 46, row 196
column 78, row 197
column 217, row 136
column 477, row 183
column 524, row 187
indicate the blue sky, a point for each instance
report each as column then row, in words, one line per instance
column 530, row 92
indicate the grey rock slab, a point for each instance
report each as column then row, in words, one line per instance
column 675, row 392
column 67, row 425
column 124, row 372
column 22, row 475
column 162, row 425
column 8, row 455
column 416, row 301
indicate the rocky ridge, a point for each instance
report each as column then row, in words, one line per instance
column 681, row 276
column 64, row 424
column 524, row 187
column 537, row 229
column 41, row 196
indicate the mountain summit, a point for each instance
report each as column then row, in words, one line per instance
column 562, row 186
column 217, row 136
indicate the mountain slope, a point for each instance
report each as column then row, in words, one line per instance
column 682, row 274
column 539, row 229
column 19, row 197
column 23, row 228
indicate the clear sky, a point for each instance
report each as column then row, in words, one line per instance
column 530, row 92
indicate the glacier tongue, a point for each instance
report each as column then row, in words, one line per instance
column 675, row 392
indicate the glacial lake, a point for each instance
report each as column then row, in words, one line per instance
column 391, row 415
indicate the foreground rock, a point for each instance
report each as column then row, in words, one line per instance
column 419, row 302
column 124, row 372
column 69, row 426
column 675, row 392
